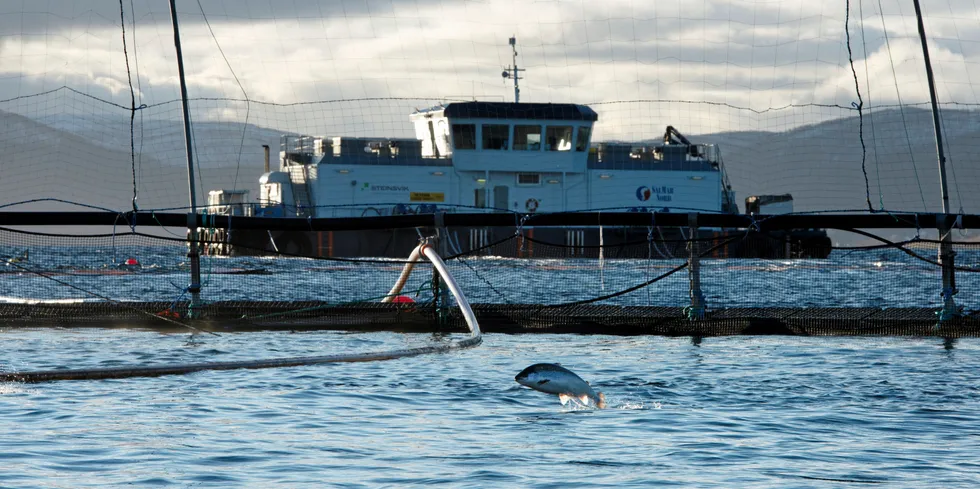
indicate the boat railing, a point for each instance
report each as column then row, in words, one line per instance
column 713, row 153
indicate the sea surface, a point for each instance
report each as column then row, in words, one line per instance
column 722, row 412
column 850, row 278
column 823, row 412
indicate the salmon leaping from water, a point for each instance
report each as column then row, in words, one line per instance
column 555, row 379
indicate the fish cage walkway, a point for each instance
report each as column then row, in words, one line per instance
column 494, row 318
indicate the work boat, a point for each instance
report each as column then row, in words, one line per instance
column 519, row 158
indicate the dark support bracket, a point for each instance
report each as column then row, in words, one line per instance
column 194, row 256
column 441, row 292
column 946, row 259
column 697, row 308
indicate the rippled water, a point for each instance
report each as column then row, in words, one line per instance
column 722, row 412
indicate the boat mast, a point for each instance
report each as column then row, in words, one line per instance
column 195, row 258
column 946, row 253
column 514, row 72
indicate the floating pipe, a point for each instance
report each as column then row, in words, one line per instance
column 464, row 305
column 406, row 271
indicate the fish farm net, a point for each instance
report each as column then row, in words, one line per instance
column 281, row 176
column 516, row 283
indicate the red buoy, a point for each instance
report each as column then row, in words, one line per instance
column 403, row 299
column 132, row 262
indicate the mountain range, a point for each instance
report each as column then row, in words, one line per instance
column 87, row 160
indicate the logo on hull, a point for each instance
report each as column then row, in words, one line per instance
column 643, row 194
column 663, row 193
column 383, row 188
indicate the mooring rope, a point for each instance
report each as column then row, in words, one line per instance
column 179, row 369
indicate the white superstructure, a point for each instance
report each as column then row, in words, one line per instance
column 497, row 156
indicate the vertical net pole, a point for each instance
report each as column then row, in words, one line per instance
column 946, row 259
column 946, row 252
column 441, row 290
column 944, row 189
column 192, row 253
column 695, row 311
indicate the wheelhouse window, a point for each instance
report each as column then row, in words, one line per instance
column 464, row 136
column 527, row 138
column 495, row 136
column 582, row 142
column 559, row 138
column 529, row 179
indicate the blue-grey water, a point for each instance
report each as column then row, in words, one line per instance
column 718, row 412
column 728, row 412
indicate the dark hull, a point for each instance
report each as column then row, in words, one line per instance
column 616, row 242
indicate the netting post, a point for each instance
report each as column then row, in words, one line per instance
column 194, row 255
column 946, row 259
column 696, row 310
column 441, row 298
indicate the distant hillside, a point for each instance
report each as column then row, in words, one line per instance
column 88, row 161
column 92, row 164
column 821, row 164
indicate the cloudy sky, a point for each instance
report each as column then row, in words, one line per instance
column 756, row 55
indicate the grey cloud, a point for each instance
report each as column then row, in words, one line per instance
column 801, row 52
column 59, row 16
column 557, row 54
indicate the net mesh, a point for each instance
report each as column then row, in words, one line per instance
column 826, row 102
column 829, row 103
column 136, row 279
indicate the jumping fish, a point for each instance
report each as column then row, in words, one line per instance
column 555, row 379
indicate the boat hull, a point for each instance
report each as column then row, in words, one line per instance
column 614, row 242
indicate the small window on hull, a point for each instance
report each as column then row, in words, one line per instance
column 529, row 179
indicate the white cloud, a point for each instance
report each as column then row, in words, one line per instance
column 749, row 54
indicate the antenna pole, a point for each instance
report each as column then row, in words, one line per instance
column 517, row 88
column 514, row 72
column 192, row 253
column 946, row 253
